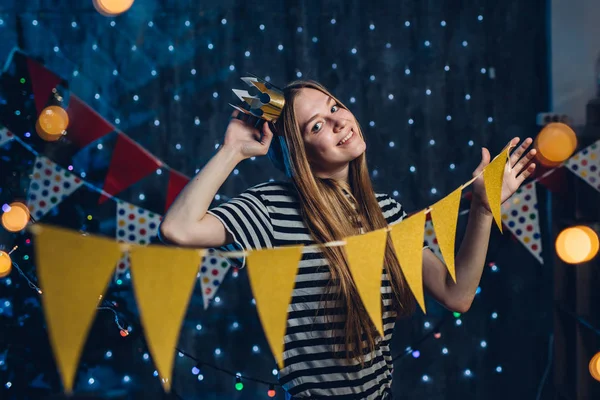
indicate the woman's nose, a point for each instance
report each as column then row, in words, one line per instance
column 339, row 125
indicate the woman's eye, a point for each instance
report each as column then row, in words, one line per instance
column 317, row 127
column 334, row 109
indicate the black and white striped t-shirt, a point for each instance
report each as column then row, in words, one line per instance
column 268, row 215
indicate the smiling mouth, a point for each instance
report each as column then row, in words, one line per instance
column 347, row 138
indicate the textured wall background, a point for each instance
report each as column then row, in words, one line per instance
column 431, row 82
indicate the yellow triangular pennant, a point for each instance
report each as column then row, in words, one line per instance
column 493, row 175
column 272, row 274
column 163, row 279
column 407, row 237
column 73, row 271
column 444, row 216
column 365, row 259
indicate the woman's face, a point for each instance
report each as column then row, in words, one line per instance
column 323, row 125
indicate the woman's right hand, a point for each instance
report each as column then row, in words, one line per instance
column 245, row 139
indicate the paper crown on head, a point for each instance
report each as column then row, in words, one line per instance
column 264, row 100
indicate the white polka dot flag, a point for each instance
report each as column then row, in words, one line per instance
column 431, row 239
column 5, row 136
column 520, row 215
column 212, row 272
column 586, row 164
column 50, row 184
column 135, row 225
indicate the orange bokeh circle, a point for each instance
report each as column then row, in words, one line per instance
column 577, row 244
column 16, row 219
column 5, row 264
column 555, row 143
column 111, row 8
column 594, row 366
column 52, row 123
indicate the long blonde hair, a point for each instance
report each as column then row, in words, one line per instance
column 325, row 210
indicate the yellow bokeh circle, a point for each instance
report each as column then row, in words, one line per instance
column 16, row 218
column 577, row 244
column 5, row 264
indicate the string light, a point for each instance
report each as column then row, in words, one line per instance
column 196, row 369
column 238, row 383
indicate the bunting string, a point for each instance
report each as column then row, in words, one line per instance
column 242, row 253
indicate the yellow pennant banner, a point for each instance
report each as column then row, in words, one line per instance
column 407, row 237
column 444, row 216
column 72, row 287
column 163, row 279
column 365, row 259
column 493, row 175
column 74, row 271
column 272, row 274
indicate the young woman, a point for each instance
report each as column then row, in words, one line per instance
column 332, row 348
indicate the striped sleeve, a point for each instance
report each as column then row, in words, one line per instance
column 247, row 219
column 393, row 211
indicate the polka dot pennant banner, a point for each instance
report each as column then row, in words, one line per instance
column 431, row 240
column 135, row 225
column 212, row 272
column 586, row 164
column 50, row 184
column 520, row 215
column 5, row 136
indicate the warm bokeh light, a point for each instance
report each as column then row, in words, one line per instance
column 52, row 123
column 595, row 367
column 111, row 8
column 577, row 244
column 555, row 144
column 15, row 219
column 5, row 264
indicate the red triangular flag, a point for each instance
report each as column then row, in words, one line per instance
column 42, row 83
column 130, row 163
column 85, row 124
column 177, row 182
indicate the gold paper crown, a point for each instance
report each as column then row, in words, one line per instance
column 265, row 101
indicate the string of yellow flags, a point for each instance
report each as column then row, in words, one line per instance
column 72, row 290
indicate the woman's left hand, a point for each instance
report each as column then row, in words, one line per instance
column 522, row 168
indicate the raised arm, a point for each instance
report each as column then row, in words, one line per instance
column 186, row 222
